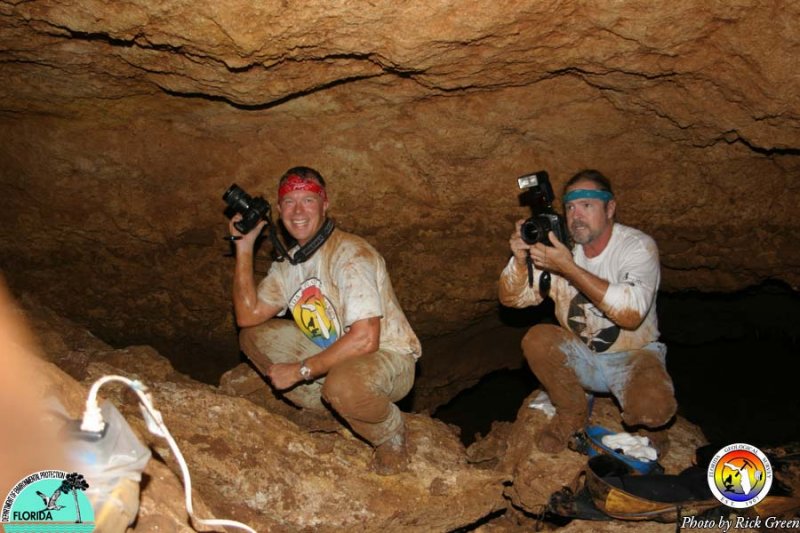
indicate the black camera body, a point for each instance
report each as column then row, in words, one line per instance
column 252, row 209
column 544, row 219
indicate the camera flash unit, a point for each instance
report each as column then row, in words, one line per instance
column 531, row 180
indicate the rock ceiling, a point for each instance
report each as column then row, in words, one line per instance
column 123, row 122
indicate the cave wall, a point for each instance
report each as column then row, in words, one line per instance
column 123, row 122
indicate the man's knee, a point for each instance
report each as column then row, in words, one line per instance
column 275, row 341
column 248, row 343
column 352, row 396
column 539, row 342
column 651, row 414
column 247, row 340
column 650, row 404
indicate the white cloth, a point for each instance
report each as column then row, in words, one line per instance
column 634, row 446
column 543, row 403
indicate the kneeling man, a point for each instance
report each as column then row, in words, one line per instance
column 604, row 291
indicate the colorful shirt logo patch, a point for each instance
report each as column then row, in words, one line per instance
column 314, row 314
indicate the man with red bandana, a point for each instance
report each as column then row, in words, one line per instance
column 350, row 344
column 604, row 291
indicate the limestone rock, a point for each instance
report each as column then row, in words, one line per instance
column 259, row 467
column 536, row 475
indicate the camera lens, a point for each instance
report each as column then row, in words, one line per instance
column 236, row 198
column 533, row 231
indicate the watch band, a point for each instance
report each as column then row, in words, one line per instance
column 305, row 372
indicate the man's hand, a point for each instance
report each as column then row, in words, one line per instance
column 245, row 241
column 557, row 258
column 284, row 375
column 519, row 247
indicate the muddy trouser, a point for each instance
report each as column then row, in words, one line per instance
column 362, row 390
column 566, row 368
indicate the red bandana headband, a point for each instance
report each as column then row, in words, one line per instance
column 296, row 183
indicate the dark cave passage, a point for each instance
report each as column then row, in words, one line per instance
column 729, row 356
column 497, row 397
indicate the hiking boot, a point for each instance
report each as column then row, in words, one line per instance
column 555, row 436
column 391, row 457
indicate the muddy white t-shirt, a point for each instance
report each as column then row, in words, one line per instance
column 629, row 263
column 343, row 282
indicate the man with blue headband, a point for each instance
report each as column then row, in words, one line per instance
column 604, row 291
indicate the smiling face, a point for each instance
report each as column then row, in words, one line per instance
column 589, row 219
column 302, row 213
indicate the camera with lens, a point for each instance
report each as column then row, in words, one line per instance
column 252, row 209
column 545, row 219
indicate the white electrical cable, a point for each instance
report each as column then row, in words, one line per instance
column 93, row 421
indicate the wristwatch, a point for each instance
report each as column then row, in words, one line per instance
column 305, row 372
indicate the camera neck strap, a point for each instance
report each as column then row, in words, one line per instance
column 304, row 253
column 544, row 277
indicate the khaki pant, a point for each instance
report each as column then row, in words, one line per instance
column 362, row 390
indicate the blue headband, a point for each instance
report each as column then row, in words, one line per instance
column 587, row 193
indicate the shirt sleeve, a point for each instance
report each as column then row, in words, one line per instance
column 633, row 293
column 513, row 288
column 358, row 285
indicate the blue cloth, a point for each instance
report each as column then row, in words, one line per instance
column 577, row 194
column 595, row 435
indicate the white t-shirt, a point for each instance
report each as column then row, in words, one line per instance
column 631, row 266
column 343, row 282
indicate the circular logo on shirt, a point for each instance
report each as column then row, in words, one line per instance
column 314, row 313
column 740, row 475
column 590, row 324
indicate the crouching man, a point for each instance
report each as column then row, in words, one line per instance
column 604, row 291
column 350, row 347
